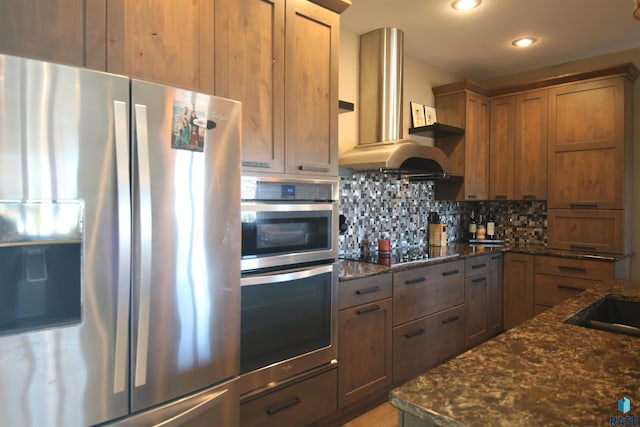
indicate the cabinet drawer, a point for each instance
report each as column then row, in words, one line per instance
column 477, row 265
column 365, row 290
column 552, row 290
column 586, row 230
column 296, row 405
column 422, row 291
column 578, row 268
column 423, row 343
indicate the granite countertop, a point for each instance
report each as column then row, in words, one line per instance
column 353, row 269
column 542, row 372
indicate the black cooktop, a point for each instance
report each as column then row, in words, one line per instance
column 399, row 256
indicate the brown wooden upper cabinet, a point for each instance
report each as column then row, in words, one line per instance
column 69, row 32
column 587, row 144
column 518, row 147
column 459, row 105
column 290, row 101
column 168, row 42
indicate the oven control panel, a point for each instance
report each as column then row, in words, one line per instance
column 254, row 189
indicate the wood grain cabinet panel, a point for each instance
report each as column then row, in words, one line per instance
column 587, row 144
column 518, row 282
column 169, row 42
column 364, row 348
column 495, row 295
column 426, row 290
column 280, row 58
column 70, row 32
column 502, row 149
column 297, row 404
column 426, row 342
column 586, row 230
column 250, row 66
column 311, row 89
column 460, row 105
column 530, row 178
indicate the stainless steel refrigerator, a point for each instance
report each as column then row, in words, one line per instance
column 119, row 250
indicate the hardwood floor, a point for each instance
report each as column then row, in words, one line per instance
column 384, row 415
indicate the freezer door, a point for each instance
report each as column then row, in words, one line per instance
column 216, row 406
column 64, row 245
column 186, row 270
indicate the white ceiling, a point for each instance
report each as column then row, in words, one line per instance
column 476, row 44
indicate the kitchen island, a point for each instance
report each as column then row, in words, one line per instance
column 543, row 372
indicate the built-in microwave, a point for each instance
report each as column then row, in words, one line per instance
column 286, row 222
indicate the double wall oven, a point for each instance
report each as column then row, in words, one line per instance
column 289, row 279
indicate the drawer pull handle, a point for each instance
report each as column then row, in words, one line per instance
column 415, row 333
column 496, row 257
column 281, row 407
column 479, row 266
column 583, row 248
column 572, row 269
column 371, row 309
column 263, row 165
column 450, row 319
column 472, row 196
column 370, row 290
column 414, row 281
column 584, row 206
column 479, row 279
column 450, row 272
column 313, row 168
column 571, row 288
column 529, row 197
column 501, row 197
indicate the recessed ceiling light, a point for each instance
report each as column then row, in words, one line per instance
column 524, row 41
column 465, row 4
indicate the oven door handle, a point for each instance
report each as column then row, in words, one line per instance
column 286, row 276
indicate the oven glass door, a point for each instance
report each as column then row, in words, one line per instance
column 284, row 315
column 280, row 234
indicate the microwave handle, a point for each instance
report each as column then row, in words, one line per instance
column 285, row 276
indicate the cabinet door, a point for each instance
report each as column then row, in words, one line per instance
column 531, row 146
column 169, row 42
column 476, row 177
column 70, row 32
column 250, row 68
column 591, row 230
column 519, row 304
column 311, row 99
column 364, row 350
column 586, row 144
column 495, row 291
column 476, row 309
column 502, row 149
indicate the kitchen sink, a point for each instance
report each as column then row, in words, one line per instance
column 612, row 314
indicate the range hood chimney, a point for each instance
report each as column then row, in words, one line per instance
column 382, row 146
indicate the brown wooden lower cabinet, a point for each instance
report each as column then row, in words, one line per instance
column 587, row 230
column 495, row 295
column 426, row 342
column 296, row 405
column 557, row 278
column 364, row 349
column 476, row 299
column 518, row 282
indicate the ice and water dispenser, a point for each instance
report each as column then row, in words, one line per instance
column 40, row 264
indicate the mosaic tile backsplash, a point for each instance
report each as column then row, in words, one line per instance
column 384, row 205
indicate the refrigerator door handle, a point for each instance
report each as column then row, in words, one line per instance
column 120, row 111
column 144, row 284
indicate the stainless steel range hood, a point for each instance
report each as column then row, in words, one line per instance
column 382, row 146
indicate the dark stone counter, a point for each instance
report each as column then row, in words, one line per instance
column 354, row 269
column 543, row 372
